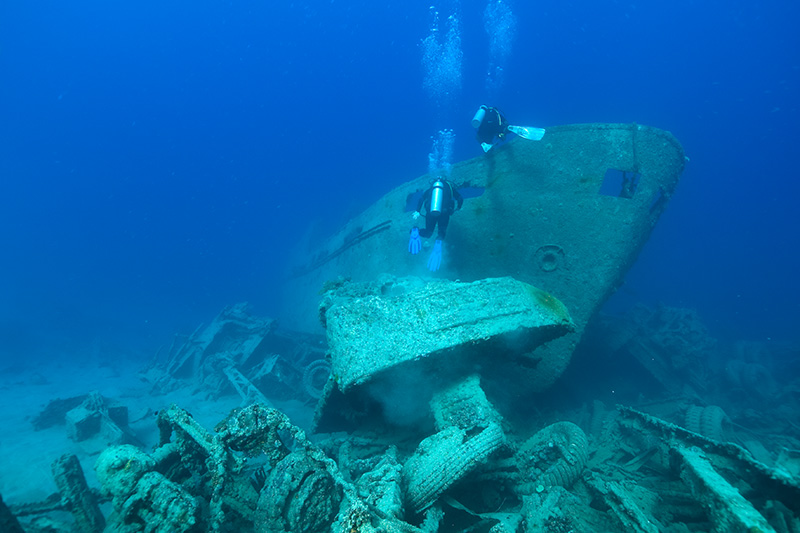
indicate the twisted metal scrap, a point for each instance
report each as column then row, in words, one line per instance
column 729, row 509
column 258, row 430
column 771, row 483
column 254, row 430
column 222, row 465
column 263, row 430
column 8, row 522
column 144, row 499
column 76, row 495
column 623, row 505
column 379, row 507
column 163, row 505
column 304, row 490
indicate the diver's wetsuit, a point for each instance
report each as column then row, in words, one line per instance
column 494, row 124
column 451, row 196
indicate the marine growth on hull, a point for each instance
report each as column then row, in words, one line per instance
column 487, row 395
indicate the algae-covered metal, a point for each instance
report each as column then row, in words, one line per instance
column 443, row 323
column 548, row 213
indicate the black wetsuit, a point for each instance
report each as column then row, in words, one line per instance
column 494, row 125
column 451, row 197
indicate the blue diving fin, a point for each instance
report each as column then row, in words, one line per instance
column 435, row 260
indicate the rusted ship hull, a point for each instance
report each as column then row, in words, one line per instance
column 568, row 214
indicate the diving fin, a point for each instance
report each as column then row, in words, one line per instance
column 532, row 134
column 486, row 146
column 435, row 260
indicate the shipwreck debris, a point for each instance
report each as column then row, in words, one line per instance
column 144, row 498
column 730, row 511
column 258, row 472
column 555, row 456
column 544, row 218
column 8, row 522
column 441, row 324
column 469, row 432
column 76, row 496
column 669, row 343
column 404, row 331
column 246, row 354
column 98, row 417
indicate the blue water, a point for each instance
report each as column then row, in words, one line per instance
column 159, row 159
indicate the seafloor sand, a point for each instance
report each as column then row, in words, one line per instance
column 26, row 454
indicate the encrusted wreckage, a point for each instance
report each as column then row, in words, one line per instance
column 258, row 472
column 669, row 466
column 673, row 355
column 670, row 344
column 246, row 354
column 91, row 420
column 568, row 214
column 394, row 334
column 417, row 372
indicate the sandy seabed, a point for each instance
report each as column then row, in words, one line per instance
column 26, row 453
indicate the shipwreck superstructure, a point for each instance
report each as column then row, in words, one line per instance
column 567, row 214
column 418, row 426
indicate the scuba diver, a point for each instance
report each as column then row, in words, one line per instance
column 439, row 202
column 491, row 123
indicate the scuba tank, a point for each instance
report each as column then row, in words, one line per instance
column 479, row 116
column 437, row 198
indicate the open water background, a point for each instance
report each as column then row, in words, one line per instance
column 158, row 160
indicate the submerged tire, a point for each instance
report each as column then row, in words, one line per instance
column 315, row 373
column 555, row 456
column 692, row 419
column 711, row 422
column 444, row 458
column 299, row 495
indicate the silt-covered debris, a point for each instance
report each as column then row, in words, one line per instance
column 670, row 465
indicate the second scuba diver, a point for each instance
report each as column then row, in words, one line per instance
column 491, row 123
column 440, row 201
